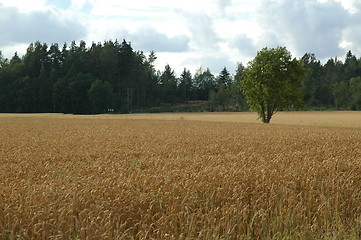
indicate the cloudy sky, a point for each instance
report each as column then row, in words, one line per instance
column 188, row 33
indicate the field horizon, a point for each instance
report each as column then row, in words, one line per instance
column 348, row 119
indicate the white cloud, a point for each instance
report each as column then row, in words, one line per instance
column 304, row 25
column 351, row 35
column 9, row 51
column 149, row 39
column 79, row 4
column 350, row 5
column 188, row 33
column 25, row 6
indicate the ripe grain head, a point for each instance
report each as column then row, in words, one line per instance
column 84, row 177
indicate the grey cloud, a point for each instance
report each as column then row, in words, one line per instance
column 352, row 33
column 149, row 39
column 206, row 41
column 222, row 4
column 45, row 26
column 201, row 27
column 214, row 63
column 244, row 45
column 306, row 25
column 217, row 64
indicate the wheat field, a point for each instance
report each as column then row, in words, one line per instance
column 180, row 176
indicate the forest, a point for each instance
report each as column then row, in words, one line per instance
column 112, row 77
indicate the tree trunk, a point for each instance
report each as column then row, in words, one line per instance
column 268, row 116
column 266, row 119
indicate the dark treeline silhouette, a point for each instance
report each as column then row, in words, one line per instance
column 112, row 77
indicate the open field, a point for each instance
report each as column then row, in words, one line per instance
column 351, row 119
column 180, row 176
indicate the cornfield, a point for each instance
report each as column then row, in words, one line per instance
column 120, row 178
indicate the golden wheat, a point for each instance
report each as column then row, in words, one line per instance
column 113, row 178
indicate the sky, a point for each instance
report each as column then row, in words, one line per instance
column 188, row 33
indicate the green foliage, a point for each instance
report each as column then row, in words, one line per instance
column 204, row 82
column 168, row 85
column 3, row 62
column 108, row 62
column 347, row 94
column 62, row 96
column 58, row 79
column 237, row 97
column 221, row 98
column 185, row 85
column 340, row 93
column 352, row 67
column 226, row 93
column 273, row 82
column 44, row 95
column 101, row 96
column 224, row 78
column 312, row 78
column 355, row 92
column 79, row 87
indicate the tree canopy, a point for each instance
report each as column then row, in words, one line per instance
column 84, row 79
column 273, row 82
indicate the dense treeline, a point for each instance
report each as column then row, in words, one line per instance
column 77, row 79
column 113, row 77
column 335, row 84
column 96, row 79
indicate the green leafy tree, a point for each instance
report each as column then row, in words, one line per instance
column 351, row 66
column 237, row 97
column 149, row 93
column 221, row 98
column 213, row 100
column 185, row 85
column 355, row 90
column 44, row 91
column 100, row 96
column 79, row 88
column 312, row 79
column 55, row 57
column 124, row 87
column 140, row 79
column 273, row 82
column 25, row 95
column 204, row 82
column 62, row 96
column 3, row 61
column 108, row 62
column 347, row 94
column 341, row 94
column 239, row 73
column 333, row 72
column 168, row 85
column 8, row 74
column 224, row 78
